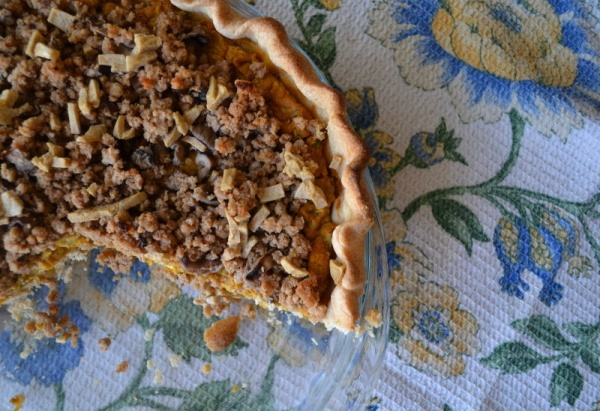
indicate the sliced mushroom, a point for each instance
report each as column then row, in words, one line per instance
column 204, row 135
column 199, row 95
column 257, row 265
column 197, row 35
column 205, row 195
column 205, row 164
column 20, row 160
column 179, row 153
column 144, row 158
column 201, row 267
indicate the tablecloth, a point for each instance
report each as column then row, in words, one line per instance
column 482, row 119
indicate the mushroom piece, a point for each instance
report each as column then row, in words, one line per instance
column 257, row 264
column 179, row 153
column 204, row 135
column 20, row 160
column 201, row 267
column 198, row 36
column 204, row 164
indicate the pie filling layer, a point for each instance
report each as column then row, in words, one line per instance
column 136, row 126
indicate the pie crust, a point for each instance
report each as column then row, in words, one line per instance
column 350, row 212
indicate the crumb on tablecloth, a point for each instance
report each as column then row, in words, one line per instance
column 104, row 344
column 175, row 360
column 122, row 367
column 17, row 401
column 222, row 333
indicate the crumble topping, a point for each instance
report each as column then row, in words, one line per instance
column 132, row 125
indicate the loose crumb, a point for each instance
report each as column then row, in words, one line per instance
column 104, row 344
column 373, row 318
column 122, row 367
column 149, row 334
column 17, row 401
column 248, row 311
column 158, row 376
column 222, row 333
column 206, row 368
column 175, row 360
column 26, row 353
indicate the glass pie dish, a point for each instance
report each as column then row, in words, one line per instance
column 135, row 354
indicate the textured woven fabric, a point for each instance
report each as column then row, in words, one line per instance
column 482, row 118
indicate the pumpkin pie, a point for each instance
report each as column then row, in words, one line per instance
column 185, row 135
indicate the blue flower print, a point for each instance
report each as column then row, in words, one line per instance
column 105, row 293
column 427, row 149
column 383, row 163
column 373, row 407
column 363, row 114
column 362, row 108
column 541, row 58
column 561, row 227
column 544, row 261
column 394, row 258
column 49, row 361
column 434, row 334
column 106, row 280
column 511, row 241
column 535, row 248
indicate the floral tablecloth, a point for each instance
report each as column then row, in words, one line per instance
column 482, row 117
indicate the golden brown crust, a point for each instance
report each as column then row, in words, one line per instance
column 352, row 212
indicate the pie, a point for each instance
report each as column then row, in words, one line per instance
column 189, row 137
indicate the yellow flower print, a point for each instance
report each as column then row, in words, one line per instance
column 493, row 56
column 580, row 266
column 507, row 39
column 436, row 334
column 331, row 4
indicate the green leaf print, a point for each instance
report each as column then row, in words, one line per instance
column 215, row 395
column 183, row 326
column 580, row 330
column 544, row 331
column 315, row 24
column 325, row 49
column 530, row 225
column 567, row 381
column 513, row 358
column 459, row 222
column 316, row 4
column 395, row 333
column 566, row 384
column 59, row 390
column 319, row 44
column 590, row 355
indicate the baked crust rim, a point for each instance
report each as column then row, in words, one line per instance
column 351, row 211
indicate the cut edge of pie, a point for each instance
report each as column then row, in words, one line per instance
column 351, row 210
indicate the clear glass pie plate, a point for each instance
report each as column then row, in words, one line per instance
column 157, row 360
